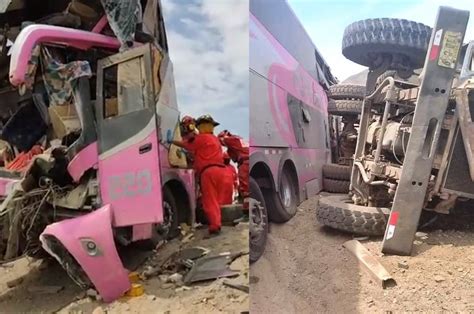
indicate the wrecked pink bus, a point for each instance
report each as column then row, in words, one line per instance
column 289, row 134
column 113, row 180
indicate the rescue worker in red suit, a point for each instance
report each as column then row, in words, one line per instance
column 188, row 131
column 214, row 179
column 229, row 199
column 238, row 151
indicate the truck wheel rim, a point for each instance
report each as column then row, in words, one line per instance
column 257, row 224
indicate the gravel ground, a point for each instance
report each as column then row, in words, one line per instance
column 159, row 297
column 305, row 269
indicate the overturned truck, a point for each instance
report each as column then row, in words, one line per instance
column 88, row 94
column 414, row 148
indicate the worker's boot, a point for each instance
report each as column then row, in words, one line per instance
column 213, row 234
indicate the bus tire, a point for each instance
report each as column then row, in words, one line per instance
column 170, row 227
column 282, row 210
column 258, row 221
column 346, row 91
column 344, row 107
column 337, row 172
column 364, row 40
column 336, row 186
column 338, row 212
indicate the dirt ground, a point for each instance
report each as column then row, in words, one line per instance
column 305, row 269
column 159, row 296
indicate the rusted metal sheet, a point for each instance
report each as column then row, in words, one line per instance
column 370, row 263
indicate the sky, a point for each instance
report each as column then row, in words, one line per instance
column 325, row 21
column 208, row 45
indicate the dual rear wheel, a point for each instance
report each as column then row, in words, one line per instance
column 267, row 205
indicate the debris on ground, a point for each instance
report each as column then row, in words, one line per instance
column 176, row 278
column 15, row 282
column 98, row 310
column 212, row 267
column 187, row 238
column 421, row 235
column 314, row 252
column 238, row 287
column 403, row 264
column 45, row 289
column 135, row 291
column 438, row 278
column 370, row 263
column 183, row 288
column 162, row 291
column 93, row 294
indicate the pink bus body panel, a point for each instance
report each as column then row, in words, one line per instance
column 104, row 269
column 275, row 76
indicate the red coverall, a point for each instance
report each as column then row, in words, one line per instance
column 215, row 179
column 239, row 152
column 227, row 198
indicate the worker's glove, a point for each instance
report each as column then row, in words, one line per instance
column 169, row 137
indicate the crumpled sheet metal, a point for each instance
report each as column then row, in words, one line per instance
column 121, row 21
column 212, row 267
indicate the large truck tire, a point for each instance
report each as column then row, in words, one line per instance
column 338, row 212
column 364, row 40
column 336, row 186
column 344, row 107
column 346, row 91
column 337, row 172
column 258, row 221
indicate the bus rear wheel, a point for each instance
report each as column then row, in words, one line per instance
column 258, row 221
column 283, row 205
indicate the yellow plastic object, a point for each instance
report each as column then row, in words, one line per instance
column 135, row 291
column 134, row 277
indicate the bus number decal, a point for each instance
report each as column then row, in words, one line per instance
column 130, row 184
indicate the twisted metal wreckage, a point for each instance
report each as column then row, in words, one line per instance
column 88, row 68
